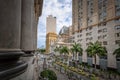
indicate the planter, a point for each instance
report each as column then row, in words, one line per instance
column 74, row 73
column 90, row 61
column 77, row 76
column 103, row 64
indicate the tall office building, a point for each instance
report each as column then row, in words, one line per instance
column 50, row 24
column 97, row 20
column 51, row 35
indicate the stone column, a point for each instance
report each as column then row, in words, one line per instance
column 10, row 36
column 10, row 25
column 27, row 25
column 34, row 28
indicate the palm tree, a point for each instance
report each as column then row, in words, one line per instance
column 72, row 51
column 117, row 52
column 43, row 51
column 96, row 49
column 56, row 49
column 64, row 51
column 76, row 48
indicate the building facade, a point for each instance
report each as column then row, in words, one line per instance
column 70, row 31
column 63, row 39
column 50, row 39
column 18, row 37
column 64, row 34
column 51, row 35
column 97, row 20
column 50, row 24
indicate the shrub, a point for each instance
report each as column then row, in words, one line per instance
column 48, row 74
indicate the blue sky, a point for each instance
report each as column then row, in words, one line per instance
column 61, row 9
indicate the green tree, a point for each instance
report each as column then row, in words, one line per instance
column 41, row 50
column 76, row 48
column 64, row 51
column 48, row 74
column 56, row 49
column 96, row 49
column 117, row 52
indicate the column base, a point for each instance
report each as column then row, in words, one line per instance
column 10, row 64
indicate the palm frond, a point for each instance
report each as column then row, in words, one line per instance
column 117, row 52
column 76, row 48
column 96, row 49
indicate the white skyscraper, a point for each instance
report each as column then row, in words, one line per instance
column 50, row 24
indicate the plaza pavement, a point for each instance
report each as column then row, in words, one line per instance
column 60, row 76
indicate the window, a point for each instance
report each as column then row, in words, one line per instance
column 80, row 39
column 81, row 24
column 78, row 27
column 91, row 12
column 90, row 20
column 80, row 35
column 102, row 9
column 87, row 39
column 117, row 42
column 117, row 7
column 80, row 31
column 104, row 42
column 86, row 29
column 88, row 2
column 87, row 44
column 117, row 20
column 104, row 24
column 104, row 36
column 81, row 13
column 91, row 3
column 90, row 28
column 90, row 38
column 118, row 34
column 99, row 31
column 105, row 30
column 117, row 27
column 102, row 30
column 99, row 37
column 88, row 34
column 90, row 8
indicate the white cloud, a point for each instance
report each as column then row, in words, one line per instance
column 61, row 9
